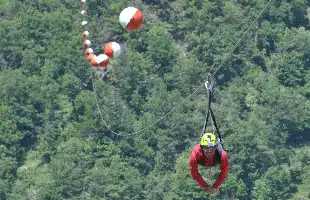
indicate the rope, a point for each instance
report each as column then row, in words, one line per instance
column 233, row 49
column 189, row 96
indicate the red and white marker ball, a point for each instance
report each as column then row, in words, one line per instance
column 102, row 60
column 112, row 50
column 83, row 12
column 84, row 23
column 99, row 61
column 90, row 57
column 83, row 1
column 89, row 51
column 85, row 33
column 94, row 61
column 87, row 43
column 131, row 18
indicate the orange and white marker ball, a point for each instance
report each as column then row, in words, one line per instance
column 112, row 50
column 131, row 18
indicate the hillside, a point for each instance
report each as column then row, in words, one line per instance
column 56, row 113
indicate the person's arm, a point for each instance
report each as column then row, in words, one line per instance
column 193, row 166
column 224, row 171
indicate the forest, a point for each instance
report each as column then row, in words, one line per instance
column 66, row 132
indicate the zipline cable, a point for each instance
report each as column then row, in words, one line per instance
column 189, row 96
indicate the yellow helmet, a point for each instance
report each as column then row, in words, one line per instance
column 208, row 139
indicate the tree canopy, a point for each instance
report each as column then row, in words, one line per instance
column 56, row 113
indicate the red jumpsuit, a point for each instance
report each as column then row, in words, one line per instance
column 197, row 154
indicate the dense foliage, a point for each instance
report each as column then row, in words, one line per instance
column 55, row 144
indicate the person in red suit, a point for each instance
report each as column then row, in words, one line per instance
column 208, row 153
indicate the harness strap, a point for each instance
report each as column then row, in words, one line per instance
column 209, row 86
column 217, row 130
